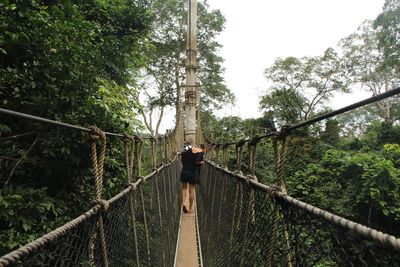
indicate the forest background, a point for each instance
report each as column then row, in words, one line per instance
column 115, row 63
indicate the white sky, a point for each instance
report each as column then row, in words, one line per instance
column 258, row 31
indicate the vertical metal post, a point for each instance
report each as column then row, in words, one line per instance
column 191, row 78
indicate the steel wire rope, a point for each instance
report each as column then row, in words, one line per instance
column 367, row 101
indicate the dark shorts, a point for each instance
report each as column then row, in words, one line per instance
column 188, row 177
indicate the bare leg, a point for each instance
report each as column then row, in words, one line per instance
column 191, row 197
column 184, row 195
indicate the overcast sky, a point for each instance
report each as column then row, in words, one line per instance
column 258, row 31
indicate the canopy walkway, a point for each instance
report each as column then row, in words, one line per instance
column 241, row 222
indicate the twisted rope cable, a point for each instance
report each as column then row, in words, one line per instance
column 280, row 159
column 252, row 146
column 225, row 156
column 239, row 156
column 160, row 145
column 98, row 169
column 153, row 153
column 129, row 159
column 138, row 150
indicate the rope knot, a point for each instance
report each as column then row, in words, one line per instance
column 137, row 139
column 141, row 177
column 133, row 185
column 238, row 172
column 240, row 143
column 104, row 204
column 96, row 133
column 128, row 138
column 254, row 140
column 251, row 177
column 284, row 130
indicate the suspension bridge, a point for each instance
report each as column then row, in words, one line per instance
column 238, row 220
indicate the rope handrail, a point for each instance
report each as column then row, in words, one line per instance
column 65, row 125
column 60, row 232
column 288, row 129
column 49, row 237
column 112, row 236
column 367, row 232
column 247, row 223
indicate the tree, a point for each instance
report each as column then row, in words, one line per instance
column 164, row 75
column 354, row 123
column 72, row 61
column 331, row 133
column 387, row 25
column 365, row 65
column 300, row 86
column 360, row 186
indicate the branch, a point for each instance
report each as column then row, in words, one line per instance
column 17, row 136
column 159, row 121
column 145, row 120
column 20, row 160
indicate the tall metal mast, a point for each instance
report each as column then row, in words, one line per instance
column 191, row 78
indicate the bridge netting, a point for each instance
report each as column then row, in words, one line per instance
column 246, row 223
column 139, row 229
column 241, row 221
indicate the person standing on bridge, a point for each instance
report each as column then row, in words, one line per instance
column 198, row 158
column 192, row 158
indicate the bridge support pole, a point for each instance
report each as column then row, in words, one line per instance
column 191, row 78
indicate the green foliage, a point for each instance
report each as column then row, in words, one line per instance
column 331, row 133
column 387, row 26
column 360, row 186
column 26, row 213
column 364, row 63
column 380, row 133
column 301, row 86
column 165, row 73
column 392, row 153
column 73, row 61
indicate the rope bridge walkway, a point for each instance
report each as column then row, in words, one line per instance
column 241, row 221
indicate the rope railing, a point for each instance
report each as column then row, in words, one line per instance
column 136, row 227
column 71, row 244
column 285, row 232
column 263, row 225
column 288, row 129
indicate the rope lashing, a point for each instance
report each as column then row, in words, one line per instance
column 138, row 155
column 129, row 159
column 129, row 155
column 98, row 160
column 98, row 168
column 166, row 150
column 161, row 145
column 280, row 156
column 138, row 162
column 153, row 152
column 217, row 146
column 225, row 154
column 252, row 145
column 104, row 204
column 280, row 159
column 239, row 154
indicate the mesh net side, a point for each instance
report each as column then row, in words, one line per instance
column 242, row 225
column 79, row 243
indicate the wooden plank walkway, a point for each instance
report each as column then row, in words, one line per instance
column 187, row 254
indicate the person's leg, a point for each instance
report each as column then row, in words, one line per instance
column 184, row 195
column 191, row 197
